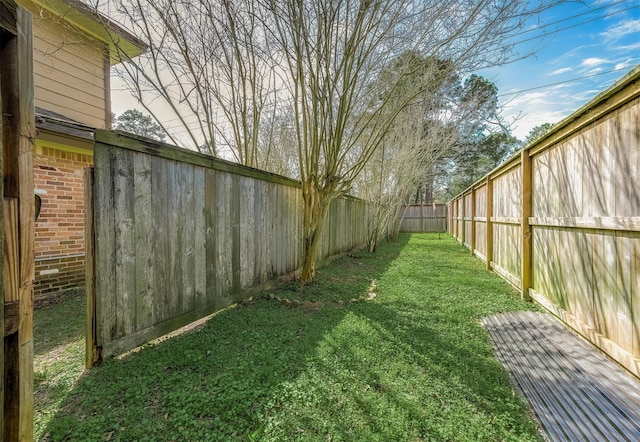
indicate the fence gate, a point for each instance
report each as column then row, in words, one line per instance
column 17, row 134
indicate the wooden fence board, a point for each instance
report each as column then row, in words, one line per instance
column 506, row 252
column 634, row 271
column 624, row 134
column 247, row 232
column 144, row 276
column 481, row 239
column 160, row 250
column 124, row 243
column 577, row 256
column 481, row 201
column 211, row 236
column 105, row 236
column 584, row 221
column 176, row 240
column 625, row 288
column 174, row 227
column 187, row 237
column 200, row 238
column 224, row 238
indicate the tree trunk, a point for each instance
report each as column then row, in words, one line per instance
column 316, row 205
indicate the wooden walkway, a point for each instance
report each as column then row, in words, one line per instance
column 576, row 393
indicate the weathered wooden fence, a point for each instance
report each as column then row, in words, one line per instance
column 424, row 218
column 561, row 221
column 179, row 235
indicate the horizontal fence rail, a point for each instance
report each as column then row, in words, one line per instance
column 561, row 221
column 179, row 235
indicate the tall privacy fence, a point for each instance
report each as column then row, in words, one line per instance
column 561, row 221
column 430, row 218
column 178, row 235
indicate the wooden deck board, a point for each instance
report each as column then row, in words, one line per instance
column 575, row 392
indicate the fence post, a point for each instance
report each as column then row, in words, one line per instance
column 489, row 224
column 454, row 218
column 92, row 355
column 17, row 140
column 472, row 242
column 525, row 227
column 463, row 234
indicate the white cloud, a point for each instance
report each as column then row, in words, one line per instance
column 532, row 119
column 586, row 95
column 624, row 64
column 593, row 61
column 560, row 71
column 631, row 47
column 621, row 29
column 529, row 99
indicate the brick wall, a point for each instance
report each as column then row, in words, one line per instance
column 59, row 242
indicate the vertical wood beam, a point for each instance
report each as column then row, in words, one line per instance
column 18, row 135
column 525, row 227
column 463, row 234
column 489, row 212
column 92, row 355
column 454, row 217
column 458, row 219
column 472, row 242
column 7, row 19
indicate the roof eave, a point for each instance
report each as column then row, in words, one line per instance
column 122, row 44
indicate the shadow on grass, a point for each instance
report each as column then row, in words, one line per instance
column 413, row 364
column 223, row 380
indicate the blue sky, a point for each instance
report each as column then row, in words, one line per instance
column 596, row 39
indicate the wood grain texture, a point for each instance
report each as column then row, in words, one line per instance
column 11, row 253
column 145, row 280
column 92, row 354
column 176, row 239
column 18, row 134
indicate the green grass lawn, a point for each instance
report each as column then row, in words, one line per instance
column 413, row 364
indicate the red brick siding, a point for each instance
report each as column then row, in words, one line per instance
column 57, row 274
column 58, row 179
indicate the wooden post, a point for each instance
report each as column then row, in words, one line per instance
column 472, row 243
column 92, row 355
column 454, row 217
column 527, row 207
column 456, row 229
column 18, row 134
column 463, row 234
column 489, row 222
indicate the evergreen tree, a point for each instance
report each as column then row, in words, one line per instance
column 135, row 122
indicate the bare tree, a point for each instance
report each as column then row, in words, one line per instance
column 208, row 73
column 278, row 151
column 415, row 143
column 219, row 65
column 334, row 50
